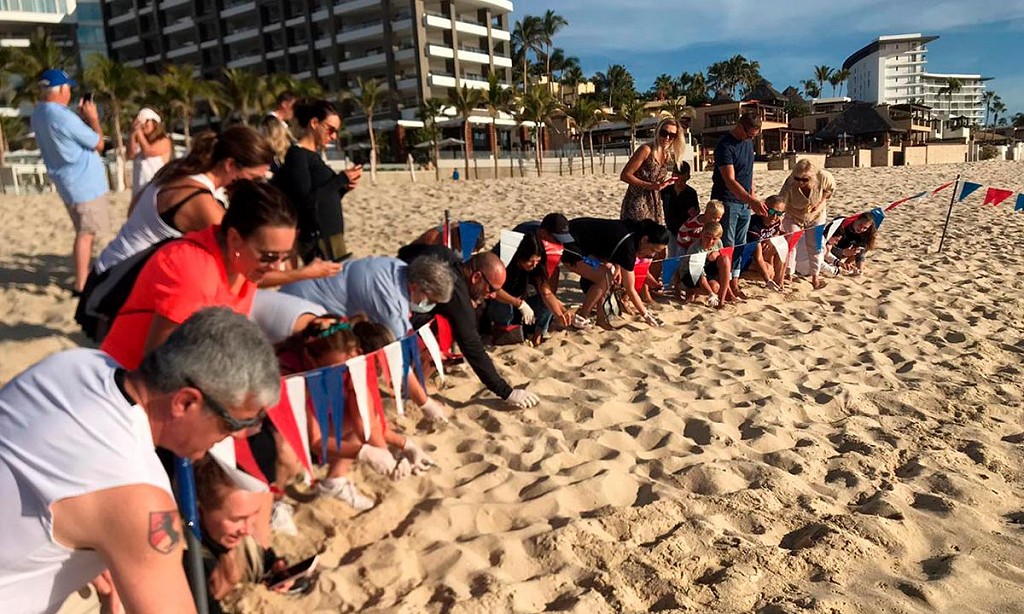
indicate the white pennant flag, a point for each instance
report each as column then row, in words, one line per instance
column 295, row 388
column 357, row 370
column 831, row 229
column 510, row 241
column 433, row 348
column 696, row 266
column 393, row 354
column 781, row 245
column 223, row 452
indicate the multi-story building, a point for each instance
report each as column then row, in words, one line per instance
column 891, row 70
column 418, row 49
column 91, row 40
column 22, row 20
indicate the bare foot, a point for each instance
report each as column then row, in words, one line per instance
column 819, row 283
column 605, row 324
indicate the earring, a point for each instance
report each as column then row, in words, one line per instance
column 237, row 255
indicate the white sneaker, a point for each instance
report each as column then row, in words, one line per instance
column 282, row 518
column 344, row 490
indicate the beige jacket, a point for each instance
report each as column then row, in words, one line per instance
column 803, row 207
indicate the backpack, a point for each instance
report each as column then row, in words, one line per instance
column 105, row 293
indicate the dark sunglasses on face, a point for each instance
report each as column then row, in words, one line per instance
column 802, row 179
column 490, row 288
column 775, row 212
column 273, row 257
column 331, row 130
column 665, row 134
column 231, row 423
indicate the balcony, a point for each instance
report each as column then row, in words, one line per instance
column 168, row 4
column 237, row 8
column 440, row 51
column 408, row 84
column 125, row 42
column 359, row 32
column 180, row 26
column 363, row 63
column 244, row 61
column 500, row 6
column 183, row 51
column 241, row 35
column 122, row 18
column 347, row 7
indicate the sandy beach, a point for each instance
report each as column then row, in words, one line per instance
column 854, row 449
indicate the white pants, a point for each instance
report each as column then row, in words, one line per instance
column 805, row 259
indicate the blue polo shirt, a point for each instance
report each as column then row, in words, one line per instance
column 376, row 286
column 68, row 148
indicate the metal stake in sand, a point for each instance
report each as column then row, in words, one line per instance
column 185, row 488
column 952, row 199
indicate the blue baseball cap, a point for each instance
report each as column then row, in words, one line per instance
column 55, row 77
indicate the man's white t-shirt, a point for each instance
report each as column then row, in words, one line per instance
column 66, row 430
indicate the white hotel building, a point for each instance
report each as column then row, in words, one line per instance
column 891, row 70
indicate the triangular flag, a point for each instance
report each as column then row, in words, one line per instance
column 334, row 381
column 357, row 371
column 668, row 270
column 878, row 215
column 295, row 388
column 994, row 196
column 640, row 269
column 241, row 479
column 469, row 233
column 322, row 407
column 245, row 460
column 696, row 266
column 726, row 252
column 747, row 254
column 553, row 256
column 225, row 450
column 1020, row 203
column 430, row 342
column 795, row 238
column 966, row 189
column 373, row 386
column 411, row 350
column 832, row 228
column 282, row 416
column 818, row 233
column 510, row 241
column 393, row 356
column 942, row 187
column 897, row 203
column 781, row 246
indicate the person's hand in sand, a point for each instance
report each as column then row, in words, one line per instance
column 378, row 459
column 417, row 457
column 435, row 411
column 354, row 174
column 522, row 398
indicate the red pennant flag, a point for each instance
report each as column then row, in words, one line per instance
column 794, row 238
column 283, row 418
column 994, row 196
column 245, row 459
column 374, row 388
column 942, row 187
column 726, row 252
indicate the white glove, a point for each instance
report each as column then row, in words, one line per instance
column 771, row 285
column 415, row 455
column 522, row 399
column 435, row 410
column 713, row 301
column 653, row 320
column 379, row 459
column 403, row 469
column 527, row 311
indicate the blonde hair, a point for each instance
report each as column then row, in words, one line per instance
column 711, row 229
column 827, row 183
column 803, row 165
column 714, row 208
column 278, row 135
column 675, row 150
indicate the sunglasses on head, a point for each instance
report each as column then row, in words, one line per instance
column 665, row 134
column 231, row 423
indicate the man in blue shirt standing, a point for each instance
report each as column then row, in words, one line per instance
column 733, row 183
column 70, row 145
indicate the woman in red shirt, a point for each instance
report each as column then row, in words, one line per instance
column 219, row 266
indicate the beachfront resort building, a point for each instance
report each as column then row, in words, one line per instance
column 417, row 48
column 74, row 25
column 891, row 70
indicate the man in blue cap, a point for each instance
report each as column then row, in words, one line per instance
column 70, row 145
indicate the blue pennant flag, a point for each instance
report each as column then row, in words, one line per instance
column 316, row 385
column 879, row 215
column 967, row 189
column 747, row 253
column 406, row 365
column 334, row 381
column 409, row 345
column 1020, row 203
column 469, row 233
column 593, row 262
column 818, row 232
column 668, row 270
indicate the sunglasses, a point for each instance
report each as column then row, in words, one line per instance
column 273, row 257
column 665, row 134
column 487, row 281
column 775, row 212
column 802, row 179
column 331, row 130
column 231, row 423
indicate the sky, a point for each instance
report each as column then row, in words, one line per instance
column 787, row 37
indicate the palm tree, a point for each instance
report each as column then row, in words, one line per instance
column 40, row 54
column 582, row 114
column 953, row 85
column 833, row 80
column 537, row 106
column 1018, row 120
column 811, row 88
column 465, row 101
column 183, row 91
column 116, row 85
column 565, row 63
column 369, row 95
column 632, row 112
column 841, row 76
column 724, row 76
column 988, row 98
column 821, row 75
column 617, row 83
column 665, row 87
column 572, row 75
column 694, row 87
column 550, row 24
column 430, row 110
column 748, row 71
column 998, row 108
column 497, row 97
column 527, row 35
column 243, row 92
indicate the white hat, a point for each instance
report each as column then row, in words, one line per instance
column 147, row 114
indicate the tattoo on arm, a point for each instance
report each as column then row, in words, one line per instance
column 164, row 531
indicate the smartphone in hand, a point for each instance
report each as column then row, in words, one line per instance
column 87, row 97
column 296, row 571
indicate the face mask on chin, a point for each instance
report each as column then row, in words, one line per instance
column 424, row 306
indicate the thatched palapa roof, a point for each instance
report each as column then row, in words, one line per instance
column 859, row 119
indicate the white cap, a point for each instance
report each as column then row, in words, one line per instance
column 147, row 114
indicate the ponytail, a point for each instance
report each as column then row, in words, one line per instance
column 247, row 147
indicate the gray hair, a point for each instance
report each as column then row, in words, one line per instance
column 433, row 276
column 220, row 352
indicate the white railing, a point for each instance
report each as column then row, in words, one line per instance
column 53, row 7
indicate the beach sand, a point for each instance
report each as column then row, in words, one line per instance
column 854, row 449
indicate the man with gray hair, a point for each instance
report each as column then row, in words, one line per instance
column 70, row 148
column 81, row 487
column 385, row 289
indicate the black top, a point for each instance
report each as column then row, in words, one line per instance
column 315, row 190
column 679, row 207
column 849, row 238
column 609, row 240
column 757, row 231
column 462, row 316
column 731, row 151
